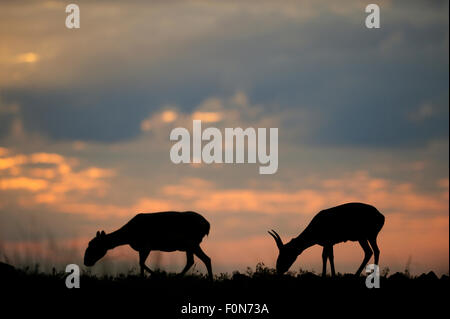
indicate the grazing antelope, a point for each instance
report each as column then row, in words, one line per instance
column 352, row 221
column 165, row 231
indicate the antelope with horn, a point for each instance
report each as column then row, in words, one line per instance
column 165, row 231
column 352, row 221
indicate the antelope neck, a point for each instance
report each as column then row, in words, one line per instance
column 301, row 243
column 115, row 239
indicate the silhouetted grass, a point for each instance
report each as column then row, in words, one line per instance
column 283, row 294
column 31, row 276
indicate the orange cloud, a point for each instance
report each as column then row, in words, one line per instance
column 52, row 182
column 30, row 184
column 46, row 173
column 36, row 158
column 387, row 196
column 11, row 162
column 207, row 117
column 169, row 116
column 3, row 151
column 96, row 172
column 416, row 222
column 47, row 158
column 29, row 57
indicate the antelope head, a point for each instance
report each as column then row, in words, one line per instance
column 286, row 256
column 96, row 249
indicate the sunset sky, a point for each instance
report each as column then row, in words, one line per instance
column 85, row 118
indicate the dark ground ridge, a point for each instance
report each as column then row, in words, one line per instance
column 286, row 295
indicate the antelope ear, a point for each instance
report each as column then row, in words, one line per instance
column 103, row 233
column 98, row 234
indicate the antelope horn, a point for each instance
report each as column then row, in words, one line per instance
column 277, row 238
column 277, row 235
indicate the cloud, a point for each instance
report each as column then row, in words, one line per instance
column 12, row 162
column 286, row 57
column 361, row 118
column 240, row 213
column 388, row 196
column 207, row 117
column 51, row 177
column 3, row 151
column 204, row 196
column 29, row 57
column 233, row 111
column 424, row 112
column 401, row 239
column 30, row 184
column 158, row 120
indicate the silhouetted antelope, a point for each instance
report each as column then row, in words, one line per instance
column 165, row 231
column 352, row 221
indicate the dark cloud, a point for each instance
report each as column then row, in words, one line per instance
column 5, row 124
column 360, row 84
